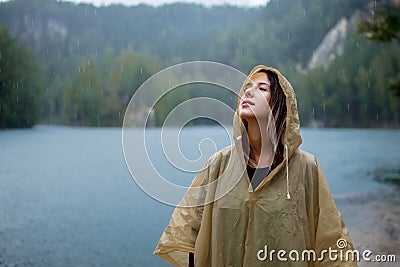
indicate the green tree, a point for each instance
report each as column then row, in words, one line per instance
column 130, row 70
column 384, row 26
column 83, row 101
column 21, row 84
column 53, row 100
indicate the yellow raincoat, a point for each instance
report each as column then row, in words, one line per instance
column 291, row 210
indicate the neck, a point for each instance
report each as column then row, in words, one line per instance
column 261, row 148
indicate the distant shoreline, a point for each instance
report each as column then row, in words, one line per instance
column 195, row 126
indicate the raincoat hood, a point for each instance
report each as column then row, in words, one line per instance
column 292, row 137
column 223, row 222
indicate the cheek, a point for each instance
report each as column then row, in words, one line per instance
column 267, row 104
column 267, row 97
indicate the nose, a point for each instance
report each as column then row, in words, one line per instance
column 248, row 91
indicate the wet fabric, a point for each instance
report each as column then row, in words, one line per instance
column 291, row 210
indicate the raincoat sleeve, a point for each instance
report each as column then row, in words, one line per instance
column 331, row 232
column 179, row 237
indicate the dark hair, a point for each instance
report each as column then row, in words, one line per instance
column 279, row 110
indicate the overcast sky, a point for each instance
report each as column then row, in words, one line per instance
column 243, row 3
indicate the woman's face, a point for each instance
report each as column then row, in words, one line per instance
column 255, row 100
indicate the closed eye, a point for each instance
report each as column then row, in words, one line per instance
column 263, row 88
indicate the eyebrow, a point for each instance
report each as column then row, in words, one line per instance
column 258, row 84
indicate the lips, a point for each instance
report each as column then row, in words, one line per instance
column 247, row 103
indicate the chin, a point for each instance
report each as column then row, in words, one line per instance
column 246, row 115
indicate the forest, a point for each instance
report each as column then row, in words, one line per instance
column 69, row 64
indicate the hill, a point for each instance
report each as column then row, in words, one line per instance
column 122, row 46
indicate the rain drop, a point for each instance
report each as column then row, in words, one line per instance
column 141, row 71
column 348, row 106
column 313, row 111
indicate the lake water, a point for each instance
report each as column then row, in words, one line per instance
column 68, row 199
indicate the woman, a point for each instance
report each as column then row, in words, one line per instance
column 261, row 195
